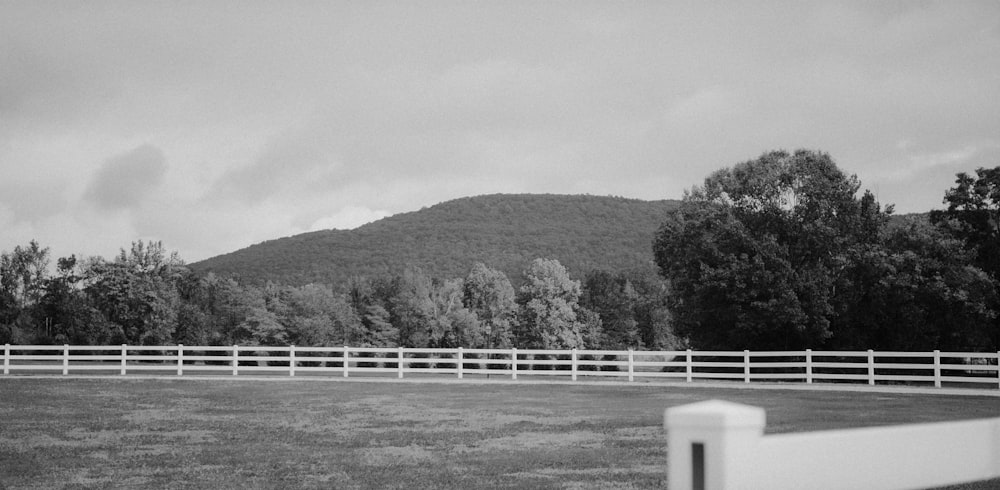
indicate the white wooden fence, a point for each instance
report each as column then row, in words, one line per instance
column 936, row 368
column 717, row 445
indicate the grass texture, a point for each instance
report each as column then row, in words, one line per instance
column 191, row 433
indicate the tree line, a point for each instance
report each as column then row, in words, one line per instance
column 778, row 253
column 147, row 296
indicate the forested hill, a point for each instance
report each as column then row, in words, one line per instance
column 503, row 231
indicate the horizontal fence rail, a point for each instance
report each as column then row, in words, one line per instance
column 718, row 445
column 971, row 369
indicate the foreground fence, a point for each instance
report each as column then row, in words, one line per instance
column 936, row 368
column 717, row 445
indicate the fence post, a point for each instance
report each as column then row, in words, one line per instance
column 746, row 366
column 709, row 442
column 573, row 364
column 631, row 365
column 513, row 363
column 291, row 360
column 124, row 358
column 809, row 366
column 65, row 359
column 236, row 359
column 871, row 367
column 180, row 359
column 998, row 368
column 6, row 358
column 688, row 367
column 347, row 358
column 937, row 368
column 460, row 363
column 399, row 365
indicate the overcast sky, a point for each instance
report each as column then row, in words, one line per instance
column 213, row 125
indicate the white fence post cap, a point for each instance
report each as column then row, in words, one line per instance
column 715, row 414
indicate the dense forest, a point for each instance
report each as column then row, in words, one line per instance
column 504, row 231
column 781, row 252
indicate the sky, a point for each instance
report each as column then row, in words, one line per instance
column 211, row 126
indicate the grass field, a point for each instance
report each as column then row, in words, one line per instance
column 145, row 433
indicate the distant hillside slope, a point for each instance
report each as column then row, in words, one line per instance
column 503, row 231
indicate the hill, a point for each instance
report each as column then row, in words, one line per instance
column 503, row 231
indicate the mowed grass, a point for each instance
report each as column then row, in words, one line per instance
column 190, row 433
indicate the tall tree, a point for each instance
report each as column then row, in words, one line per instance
column 973, row 215
column 614, row 299
column 65, row 311
column 319, row 317
column 137, row 293
column 549, row 302
column 412, row 308
column 451, row 323
column 652, row 310
column 375, row 328
column 23, row 275
column 489, row 294
column 227, row 304
column 918, row 291
column 754, row 256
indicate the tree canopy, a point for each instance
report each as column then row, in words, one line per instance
column 780, row 252
column 973, row 216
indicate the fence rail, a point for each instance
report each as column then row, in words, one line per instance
column 717, row 445
column 973, row 369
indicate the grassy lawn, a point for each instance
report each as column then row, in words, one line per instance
column 132, row 433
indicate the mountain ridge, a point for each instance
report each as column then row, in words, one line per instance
column 504, row 231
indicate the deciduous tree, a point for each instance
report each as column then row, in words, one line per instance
column 489, row 294
column 973, row 215
column 549, row 302
column 754, row 256
column 136, row 292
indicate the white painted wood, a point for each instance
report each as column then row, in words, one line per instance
column 513, row 363
column 937, row 369
column 400, row 368
column 575, row 363
column 689, row 368
column 347, row 360
column 746, row 366
column 881, row 458
column 631, row 366
column 976, row 370
column 739, row 456
column 871, row 367
column 728, row 431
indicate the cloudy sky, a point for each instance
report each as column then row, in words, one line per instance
column 215, row 125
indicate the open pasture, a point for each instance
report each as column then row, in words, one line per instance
column 250, row 433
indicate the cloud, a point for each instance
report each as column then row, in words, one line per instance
column 911, row 164
column 125, row 180
column 294, row 162
column 31, row 201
